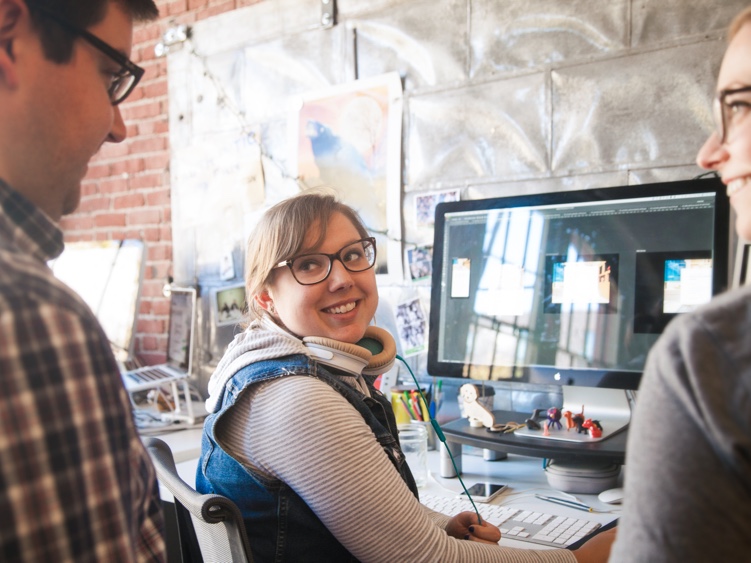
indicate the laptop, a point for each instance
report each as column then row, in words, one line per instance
column 182, row 317
column 111, row 287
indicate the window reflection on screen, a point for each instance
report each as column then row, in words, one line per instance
column 588, row 284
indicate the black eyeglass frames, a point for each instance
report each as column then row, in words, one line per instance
column 310, row 269
column 725, row 110
column 125, row 80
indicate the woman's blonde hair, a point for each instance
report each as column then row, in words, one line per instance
column 738, row 22
column 280, row 235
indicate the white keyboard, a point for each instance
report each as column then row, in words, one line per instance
column 517, row 523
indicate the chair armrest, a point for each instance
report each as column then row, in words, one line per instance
column 209, row 508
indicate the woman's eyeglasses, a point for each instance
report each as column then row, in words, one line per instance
column 124, row 80
column 728, row 112
column 309, row 269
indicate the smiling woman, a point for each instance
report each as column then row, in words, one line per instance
column 333, row 300
column 298, row 436
column 687, row 480
column 728, row 149
column 312, row 224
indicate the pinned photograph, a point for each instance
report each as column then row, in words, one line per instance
column 420, row 260
column 425, row 205
column 230, row 305
column 412, row 326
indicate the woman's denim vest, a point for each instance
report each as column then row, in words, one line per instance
column 280, row 526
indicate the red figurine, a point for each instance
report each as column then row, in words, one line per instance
column 575, row 420
column 594, row 427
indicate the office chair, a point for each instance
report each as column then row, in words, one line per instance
column 210, row 527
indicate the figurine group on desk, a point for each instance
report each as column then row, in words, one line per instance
column 480, row 415
column 554, row 415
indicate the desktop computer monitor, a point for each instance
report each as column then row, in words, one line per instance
column 573, row 288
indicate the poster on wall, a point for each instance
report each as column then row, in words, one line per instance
column 348, row 138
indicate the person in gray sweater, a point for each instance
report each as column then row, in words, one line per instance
column 688, row 463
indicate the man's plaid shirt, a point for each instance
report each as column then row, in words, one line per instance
column 76, row 483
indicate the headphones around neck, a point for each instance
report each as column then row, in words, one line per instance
column 374, row 354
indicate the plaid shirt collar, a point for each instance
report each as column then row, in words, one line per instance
column 27, row 227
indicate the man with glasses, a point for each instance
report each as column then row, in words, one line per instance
column 76, row 483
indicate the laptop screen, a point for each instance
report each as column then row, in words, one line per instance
column 110, row 286
column 181, row 322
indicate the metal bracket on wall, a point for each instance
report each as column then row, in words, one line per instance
column 172, row 38
column 328, row 13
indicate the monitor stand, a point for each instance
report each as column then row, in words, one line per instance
column 611, row 407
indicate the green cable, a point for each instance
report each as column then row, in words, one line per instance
column 441, row 437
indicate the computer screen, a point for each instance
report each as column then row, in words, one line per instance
column 572, row 288
column 107, row 275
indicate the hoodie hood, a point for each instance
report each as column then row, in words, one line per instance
column 262, row 340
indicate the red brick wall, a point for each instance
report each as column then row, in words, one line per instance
column 126, row 193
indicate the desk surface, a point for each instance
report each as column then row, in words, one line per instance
column 525, row 476
column 612, row 449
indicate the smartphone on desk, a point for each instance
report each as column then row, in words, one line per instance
column 484, row 492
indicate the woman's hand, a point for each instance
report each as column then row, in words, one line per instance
column 465, row 526
column 596, row 550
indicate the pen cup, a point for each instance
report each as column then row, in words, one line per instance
column 413, row 439
column 401, row 411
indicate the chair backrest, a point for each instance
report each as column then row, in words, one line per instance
column 216, row 522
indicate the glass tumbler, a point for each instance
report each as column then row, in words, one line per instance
column 413, row 439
